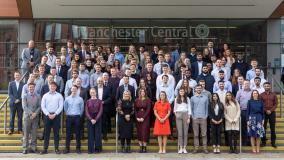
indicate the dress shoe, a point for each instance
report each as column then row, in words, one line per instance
column 66, row 151
column 205, row 151
column 10, row 132
column 25, row 152
column 273, row 145
column 194, row 151
column 20, row 132
column 33, row 151
column 262, row 144
column 43, row 152
column 57, row 151
column 78, row 151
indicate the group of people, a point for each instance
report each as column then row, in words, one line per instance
column 206, row 92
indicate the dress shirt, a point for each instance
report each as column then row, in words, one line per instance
column 269, row 100
column 251, row 74
column 169, row 91
column 131, row 82
column 51, row 59
column 260, row 89
column 227, row 86
column 171, row 81
column 17, row 84
column 100, row 93
column 119, row 56
column 74, row 105
column 158, row 67
column 85, row 79
column 68, row 86
column 243, row 96
column 199, row 67
column 215, row 74
column 52, row 103
column 252, row 84
column 199, row 106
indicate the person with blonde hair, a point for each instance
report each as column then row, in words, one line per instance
column 125, row 109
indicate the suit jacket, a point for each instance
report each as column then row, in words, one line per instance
column 194, row 69
column 84, row 93
column 63, row 73
column 45, row 89
column 30, row 106
column 82, row 56
column 107, row 99
column 60, row 83
column 26, row 57
column 235, row 89
column 14, row 93
column 120, row 90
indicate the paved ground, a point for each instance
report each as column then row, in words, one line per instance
column 148, row 156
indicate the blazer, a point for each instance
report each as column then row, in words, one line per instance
column 60, row 83
column 13, row 92
column 30, row 106
column 220, row 115
column 107, row 99
column 63, row 73
column 26, row 57
column 82, row 57
column 120, row 90
column 195, row 69
column 235, row 89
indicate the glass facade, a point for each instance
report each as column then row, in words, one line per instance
column 248, row 36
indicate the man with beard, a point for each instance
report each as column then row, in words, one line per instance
column 208, row 78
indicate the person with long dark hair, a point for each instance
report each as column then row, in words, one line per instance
column 142, row 108
column 182, row 111
column 125, row 109
column 255, row 117
column 216, row 115
column 232, row 120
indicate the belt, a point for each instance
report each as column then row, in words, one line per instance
column 73, row 115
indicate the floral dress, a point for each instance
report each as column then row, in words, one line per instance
column 255, row 116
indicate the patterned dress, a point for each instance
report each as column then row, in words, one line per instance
column 255, row 116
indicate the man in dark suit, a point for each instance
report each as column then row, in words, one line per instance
column 43, row 62
column 212, row 50
column 196, row 67
column 238, row 86
column 61, row 70
column 208, row 78
column 103, row 93
column 83, row 52
column 124, row 87
column 15, row 90
column 241, row 65
column 181, row 74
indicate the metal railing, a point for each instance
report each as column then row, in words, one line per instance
column 276, row 82
column 5, row 104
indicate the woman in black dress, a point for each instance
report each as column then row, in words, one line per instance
column 125, row 111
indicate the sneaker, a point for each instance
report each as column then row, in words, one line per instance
column 180, row 151
column 184, row 150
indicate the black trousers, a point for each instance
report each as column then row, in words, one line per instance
column 216, row 134
column 106, row 124
column 73, row 125
column 272, row 120
column 233, row 138
column 82, row 125
column 94, row 135
column 172, row 119
column 55, row 125
column 245, row 138
column 16, row 108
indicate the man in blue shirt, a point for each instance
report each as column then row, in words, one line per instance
column 118, row 55
column 199, row 105
column 74, row 108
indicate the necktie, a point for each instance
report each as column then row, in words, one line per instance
column 105, row 83
column 33, row 98
column 161, row 68
column 58, row 71
column 241, row 86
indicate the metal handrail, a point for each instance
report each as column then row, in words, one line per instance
column 5, row 103
column 275, row 81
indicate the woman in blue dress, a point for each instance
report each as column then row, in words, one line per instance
column 255, row 116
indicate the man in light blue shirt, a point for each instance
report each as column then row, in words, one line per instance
column 158, row 66
column 51, row 106
column 199, row 105
column 251, row 73
column 83, row 74
column 118, row 55
column 74, row 108
column 228, row 84
column 71, row 82
column 96, row 75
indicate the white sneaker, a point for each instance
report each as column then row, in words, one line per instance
column 180, row 151
column 184, row 150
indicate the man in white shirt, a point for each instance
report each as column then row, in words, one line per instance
column 132, row 81
column 258, row 85
column 221, row 91
column 257, row 74
column 158, row 66
column 215, row 72
column 171, row 80
column 51, row 58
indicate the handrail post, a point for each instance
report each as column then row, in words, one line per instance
column 240, row 128
column 5, row 117
column 61, row 123
column 281, row 115
column 116, row 133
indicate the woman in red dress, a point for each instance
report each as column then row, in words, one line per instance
column 142, row 108
column 162, row 111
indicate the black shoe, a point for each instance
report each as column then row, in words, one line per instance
column 57, row 151
column 43, row 152
column 263, row 145
column 145, row 149
column 33, row 151
column 25, row 152
column 141, row 149
column 273, row 145
column 236, row 151
column 128, row 149
column 66, row 151
column 105, row 137
column 123, row 149
column 231, row 150
column 78, row 151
